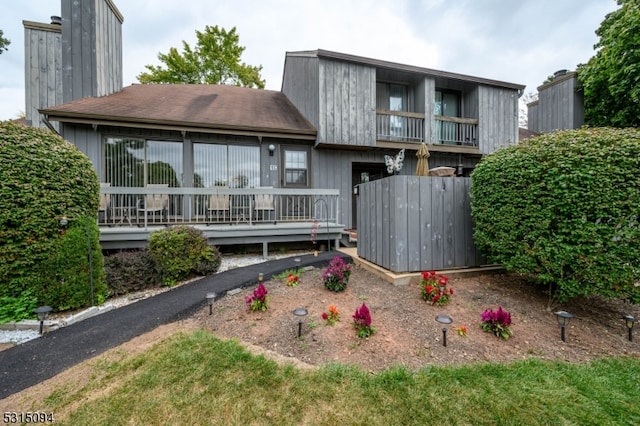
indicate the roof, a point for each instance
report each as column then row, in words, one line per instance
column 190, row 107
column 403, row 67
column 526, row 133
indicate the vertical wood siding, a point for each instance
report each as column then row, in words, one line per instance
column 559, row 106
column 412, row 224
column 300, row 85
column 43, row 83
column 91, row 49
column 347, row 97
column 497, row 118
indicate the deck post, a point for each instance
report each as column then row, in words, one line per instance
column 265, row 249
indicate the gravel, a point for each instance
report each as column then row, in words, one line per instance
column 228, row 262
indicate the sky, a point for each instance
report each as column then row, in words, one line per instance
column 516, row 41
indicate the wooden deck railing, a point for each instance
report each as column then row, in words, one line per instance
column 456, row 131
column 409, row 127
column 400, row 126
column 172, row 206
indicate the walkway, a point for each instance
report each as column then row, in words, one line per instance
column 30, row 363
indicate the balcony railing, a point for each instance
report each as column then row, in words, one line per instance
column 125, row 206
column 456, row 131
column 400, row 126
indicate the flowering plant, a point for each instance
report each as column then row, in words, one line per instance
column 462, row 330
column 293, row 280
column 434, row 288
column 497, row 322
column 259, row 300
column 337, row 274
column 332, row 316
column 362, row 322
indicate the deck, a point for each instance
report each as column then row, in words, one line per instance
column 226, row 216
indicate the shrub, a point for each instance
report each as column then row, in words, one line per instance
column 362, row 322
column 130, row 271
column 332, row 316
column 180, row 252
column 434, row 288
column 497, row 322
column 336, row 276
column 17, row 308
column 42, row 179
column 258, row 301
column 563, row 209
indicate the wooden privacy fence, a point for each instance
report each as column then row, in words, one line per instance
column 413, row 223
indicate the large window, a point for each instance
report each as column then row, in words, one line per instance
column 233, row 166
column 136, row 162
column 296, row 167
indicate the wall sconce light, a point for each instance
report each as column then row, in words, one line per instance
column 563, row 318
column 444, row 319
column 42, row 313
column 211, row 297
column 300, row 312
column 630, row 322
column 272, row 149
column 355, row 190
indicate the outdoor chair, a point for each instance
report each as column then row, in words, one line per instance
column 219, row 204
column 264, row 206
column 154, row 204
column 105, row 204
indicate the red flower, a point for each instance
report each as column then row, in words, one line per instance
column 451, row 291
column 325, row 316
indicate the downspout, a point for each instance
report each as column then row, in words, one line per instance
column 47, row 123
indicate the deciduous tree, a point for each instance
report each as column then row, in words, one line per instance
column 4, row 42
column 611, row 78
column 215, row 59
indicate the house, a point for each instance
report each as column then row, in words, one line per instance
column 249, row 165
column 366, row 108
column 560, row 104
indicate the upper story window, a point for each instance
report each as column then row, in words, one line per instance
column 447, row 104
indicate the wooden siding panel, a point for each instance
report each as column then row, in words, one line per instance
column 417, row 217
column 429, row 108
column 301, row 84
column 347, row 94
column 497, row 118
column 559, row 106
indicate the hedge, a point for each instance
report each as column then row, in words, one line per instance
column 44, row 178
column 564, row 209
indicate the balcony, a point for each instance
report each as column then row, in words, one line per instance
column 398, row 126
column 226, row 216
column 456, row 131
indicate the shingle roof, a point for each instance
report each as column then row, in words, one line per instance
column 189, row 107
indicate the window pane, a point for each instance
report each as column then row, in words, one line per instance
column 124, row 162
column 295, row 164
column 244, row 166
column 210, row 165
column 164, row 163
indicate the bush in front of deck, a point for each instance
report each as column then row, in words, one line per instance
column 181, row 252
column 43, row 179
column 564, row 208
column 130, row 271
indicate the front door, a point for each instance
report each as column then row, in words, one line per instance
column 361, row 173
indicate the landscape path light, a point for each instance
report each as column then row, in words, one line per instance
column 563, row 318
column 444, row 319
column 211, row 297
column 42, row 313
column 630, row 322
column 300, row 312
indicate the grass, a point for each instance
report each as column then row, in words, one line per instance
column 198, row 379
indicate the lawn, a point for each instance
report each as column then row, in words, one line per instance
column 196, row 378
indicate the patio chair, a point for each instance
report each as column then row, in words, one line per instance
column 219, row 203
column 265, row 206
column 105, row 204
column 154, row 203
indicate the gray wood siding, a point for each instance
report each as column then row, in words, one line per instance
column 347, row 102
column 91, row 49
column 559, row 107
column 43, row 81
column 429, row 108
column 497, row 118
column 300, row 85
column 412, row 224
